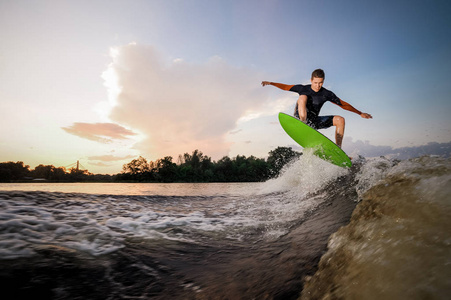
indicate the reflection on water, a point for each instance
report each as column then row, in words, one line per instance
column 162, row 189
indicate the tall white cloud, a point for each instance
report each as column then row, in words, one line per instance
column 180, row 106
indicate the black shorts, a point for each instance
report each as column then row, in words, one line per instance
column 321, row 122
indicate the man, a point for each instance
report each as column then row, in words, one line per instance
column 311, row 99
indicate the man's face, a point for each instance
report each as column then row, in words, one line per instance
column 317, row 83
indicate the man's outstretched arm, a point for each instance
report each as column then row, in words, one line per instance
column 281, row 86
column 345, row 105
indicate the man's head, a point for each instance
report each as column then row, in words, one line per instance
column 317, row 79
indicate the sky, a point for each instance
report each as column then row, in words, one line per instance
column 104, row 82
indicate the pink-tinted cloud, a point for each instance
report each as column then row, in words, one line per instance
column 99, row 132
column 110, row 157
column 107, row 160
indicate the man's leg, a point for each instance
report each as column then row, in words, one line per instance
column 302, row 108
column 339, row 123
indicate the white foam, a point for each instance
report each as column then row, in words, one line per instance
column 293, row 193
column 371, row 173
column 23, row 226
column 424, row 169
column 99, row 226
column 308, row 174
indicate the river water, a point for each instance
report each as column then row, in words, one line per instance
column 286, row 238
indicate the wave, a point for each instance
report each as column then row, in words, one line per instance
column 220, row 243
column 397, row 244
column 254, row 241
column 100, row 224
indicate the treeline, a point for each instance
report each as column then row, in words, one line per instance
column 19, row 172
column 195, row 167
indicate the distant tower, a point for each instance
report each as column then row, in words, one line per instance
column 78, row 165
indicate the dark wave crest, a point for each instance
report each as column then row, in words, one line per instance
column 397, row 245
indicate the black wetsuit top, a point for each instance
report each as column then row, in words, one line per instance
column 315, row 100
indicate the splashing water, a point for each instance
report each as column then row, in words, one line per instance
column 305, row 175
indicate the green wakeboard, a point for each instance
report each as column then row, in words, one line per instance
column 308, row 137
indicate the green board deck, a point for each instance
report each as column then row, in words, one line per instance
column 308, row 137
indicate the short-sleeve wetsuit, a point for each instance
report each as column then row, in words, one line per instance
column 316, row 100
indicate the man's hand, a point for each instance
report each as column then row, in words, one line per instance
column 264, row 83
column 366, row 116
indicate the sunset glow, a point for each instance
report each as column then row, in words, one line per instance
column 104, row 82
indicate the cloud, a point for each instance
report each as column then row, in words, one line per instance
column 110, row 157
column 99, row 132
column 235, row 131
column 107, row 160
column 180, row 106
column 367, row 150
column 268, row 108
column 99, row 164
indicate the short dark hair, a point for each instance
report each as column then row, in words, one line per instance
column 318, row 73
